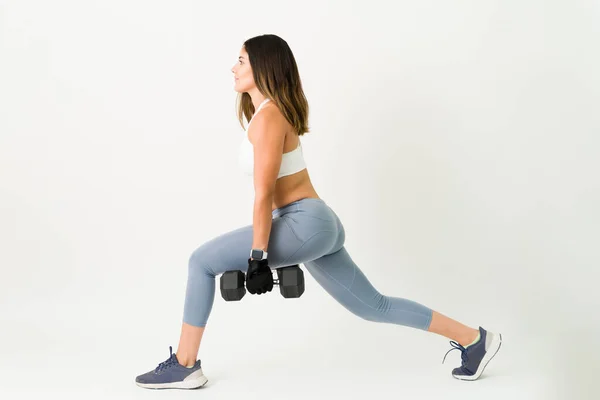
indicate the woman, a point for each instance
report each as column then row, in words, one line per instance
column 291, row 225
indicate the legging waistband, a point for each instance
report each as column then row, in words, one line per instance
column 295, row 205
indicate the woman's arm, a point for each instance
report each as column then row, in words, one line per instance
column 267, row 133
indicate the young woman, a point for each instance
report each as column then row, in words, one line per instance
column 291, row 225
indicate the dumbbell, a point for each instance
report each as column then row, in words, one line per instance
column 290, row 281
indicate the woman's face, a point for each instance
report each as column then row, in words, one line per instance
column 242, row 72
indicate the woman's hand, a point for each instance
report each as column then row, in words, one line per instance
column 259, row 278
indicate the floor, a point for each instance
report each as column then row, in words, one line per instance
column 86, row 348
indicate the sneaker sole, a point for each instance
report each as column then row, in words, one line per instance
column 194, row 383
column 494, row 347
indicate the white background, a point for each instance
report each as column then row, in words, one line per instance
column 457, row 141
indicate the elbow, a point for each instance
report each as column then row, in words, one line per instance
column 264, row 191
column 265, row 195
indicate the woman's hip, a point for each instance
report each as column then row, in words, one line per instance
column 301, row 231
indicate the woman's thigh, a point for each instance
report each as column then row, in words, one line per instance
column 293, row 240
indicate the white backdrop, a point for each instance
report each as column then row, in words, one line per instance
column 457, row 141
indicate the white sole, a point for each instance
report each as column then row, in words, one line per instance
column 493, row 349
column 194, row 381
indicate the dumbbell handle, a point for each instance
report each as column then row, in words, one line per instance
column 276, row 282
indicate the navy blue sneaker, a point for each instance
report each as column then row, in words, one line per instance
column 170, row 374
column 476, row 356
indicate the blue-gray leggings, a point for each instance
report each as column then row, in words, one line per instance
column 306, row 232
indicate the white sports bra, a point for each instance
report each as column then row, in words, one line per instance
column 291, row 162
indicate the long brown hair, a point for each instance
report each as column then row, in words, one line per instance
column 276, row 76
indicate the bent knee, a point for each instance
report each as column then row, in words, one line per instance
column 198, row 262
column 371, row 315
column 376, row 310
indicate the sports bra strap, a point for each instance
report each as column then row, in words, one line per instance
column 257, row 110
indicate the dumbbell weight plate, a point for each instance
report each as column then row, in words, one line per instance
column 291, row 281
column 232, row 285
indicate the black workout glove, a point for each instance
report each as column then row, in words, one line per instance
column 259, row 278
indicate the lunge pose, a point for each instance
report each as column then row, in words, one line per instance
column 291, row 225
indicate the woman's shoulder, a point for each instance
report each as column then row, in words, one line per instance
column 269, row 121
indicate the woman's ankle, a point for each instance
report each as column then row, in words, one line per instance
column 469, row 338
column 185, row 360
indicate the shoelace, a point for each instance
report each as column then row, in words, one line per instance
column 463, row 351
column 172, row 360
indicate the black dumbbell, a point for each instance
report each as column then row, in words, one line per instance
column 290, row 281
